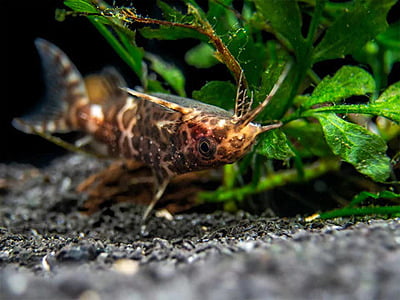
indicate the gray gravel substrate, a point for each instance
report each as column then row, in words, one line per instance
column 48, row 250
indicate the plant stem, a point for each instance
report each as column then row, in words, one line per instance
column 204, row 28
column 272, row 181
column 313, row 76
column 360, row 211
column 230, row 175
column 315, row 21
column 304, row 57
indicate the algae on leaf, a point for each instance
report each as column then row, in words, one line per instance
column 356, row 145
column 274, row 144
column 359, row 23
column 346, row 82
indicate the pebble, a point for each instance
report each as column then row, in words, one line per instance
column 47, row 253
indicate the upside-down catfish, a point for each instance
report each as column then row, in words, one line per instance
column 172, row 135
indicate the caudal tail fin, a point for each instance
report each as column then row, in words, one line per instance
column 64, row 91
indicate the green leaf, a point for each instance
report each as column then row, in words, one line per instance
column 308, row 138
column 356, row 145
column 118, row 36
column 251, row 55
column 387, row 105
column 285, row 19
column 361, row 211
column 348, row 81
column 171, row 74
column 281, row 101
column 155, row 86
column 355, row 27
column 391, row 96
column 83, row 6
column 390, row 111
column 201, row 56
column 219, row 93
column 274, row 144
column 222, row 19
column 170, row 13
column 122, row 44
column 381, row 54
column 361, row 197
column 134, row 53
column 390, row 39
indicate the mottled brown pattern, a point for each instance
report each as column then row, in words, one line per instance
column 128, row 116
column 219, row 134
column 172, row 135
column 213, row 121
column 222, row 151
column 236, row 142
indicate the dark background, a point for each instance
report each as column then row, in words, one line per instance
column 27, row 20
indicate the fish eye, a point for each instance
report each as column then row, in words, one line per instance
column 206, row 147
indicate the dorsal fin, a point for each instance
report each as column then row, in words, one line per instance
column 252, row 114
column 242, row 102
column 105, row 86
column 64, row 87
column 165, row 103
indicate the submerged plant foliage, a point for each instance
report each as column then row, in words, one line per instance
column 323, row 124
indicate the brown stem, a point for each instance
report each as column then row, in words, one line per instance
column 204, row 28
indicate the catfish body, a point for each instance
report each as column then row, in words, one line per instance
column 170, row 134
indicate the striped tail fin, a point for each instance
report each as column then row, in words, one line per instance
column 65, row 91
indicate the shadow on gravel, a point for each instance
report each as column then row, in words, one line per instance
column 49, row 250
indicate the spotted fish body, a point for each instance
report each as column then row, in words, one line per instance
column 170, row 134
